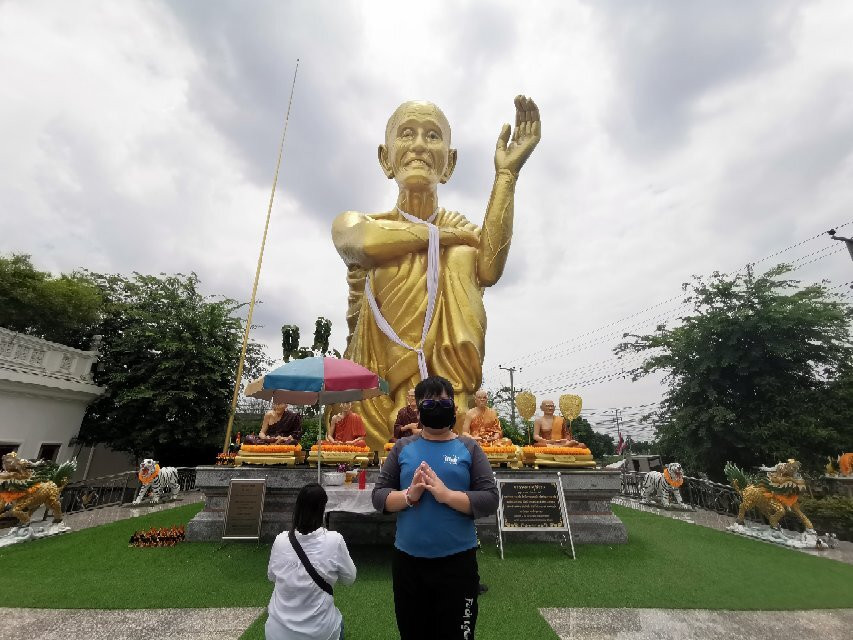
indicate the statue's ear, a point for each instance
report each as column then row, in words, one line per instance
column 451, row 165
column 384, row 162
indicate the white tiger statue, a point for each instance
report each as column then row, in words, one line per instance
column 663, row 487
column 160, row 482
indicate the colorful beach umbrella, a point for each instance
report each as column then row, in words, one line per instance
column 318, row 380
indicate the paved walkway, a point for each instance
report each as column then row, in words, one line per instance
column 128, row 624
column 698, row 624
column 568, row 624
column 105, row 515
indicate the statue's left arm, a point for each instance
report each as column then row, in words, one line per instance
column 510, row 156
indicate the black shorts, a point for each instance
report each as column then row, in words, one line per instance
column 435, row 598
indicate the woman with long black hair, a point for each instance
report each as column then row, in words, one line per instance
column 305, row 563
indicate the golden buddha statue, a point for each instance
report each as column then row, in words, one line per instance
column 552, row 431
column 416, row 273
column 482, row 423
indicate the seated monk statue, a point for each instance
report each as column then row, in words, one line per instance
column 482, row 424
column 347, row 427
column 551, row 431
column 407, row 422
column 280, row 426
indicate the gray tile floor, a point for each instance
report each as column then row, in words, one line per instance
column 698, row 624
column 128, row 624
column 568, row 624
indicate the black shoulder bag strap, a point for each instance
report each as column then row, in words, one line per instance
column 325, row 586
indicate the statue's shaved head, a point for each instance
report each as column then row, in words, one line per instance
column 418, row 108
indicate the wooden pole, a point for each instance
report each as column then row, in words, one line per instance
column 239, row 375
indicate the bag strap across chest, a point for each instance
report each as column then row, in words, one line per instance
column 325, row 586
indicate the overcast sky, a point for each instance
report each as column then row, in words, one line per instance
column 677, row 138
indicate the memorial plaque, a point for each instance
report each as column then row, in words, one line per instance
column 244, row 509
column 532, row 505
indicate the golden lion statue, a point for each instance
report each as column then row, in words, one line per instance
column 25, row 486
column 773, row 494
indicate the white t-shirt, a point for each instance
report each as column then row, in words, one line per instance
column 297, row 603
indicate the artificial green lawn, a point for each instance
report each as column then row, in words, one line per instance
column 666, row 563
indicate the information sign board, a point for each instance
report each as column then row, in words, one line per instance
column 532, row 505
column 244, row 509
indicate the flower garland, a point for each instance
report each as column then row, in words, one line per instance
column 148, row 478
column 225, row 459
column 495, row 450
column 158, row 537
column 342, row 448
column 557, row 451
column 670, row 481
column 270, row 448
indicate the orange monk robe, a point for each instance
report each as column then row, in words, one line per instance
column 558, row 429
column 349, row 427
column 486, row 425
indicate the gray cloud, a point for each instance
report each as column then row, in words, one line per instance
column 678, row 139
column 668, row 55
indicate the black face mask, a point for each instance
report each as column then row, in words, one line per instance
column 437, row 414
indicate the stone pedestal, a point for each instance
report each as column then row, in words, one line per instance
column 587, row 492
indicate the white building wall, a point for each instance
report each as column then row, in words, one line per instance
column 44, row 391
column 31, row 421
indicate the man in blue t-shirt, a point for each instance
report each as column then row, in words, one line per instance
column 438, row 484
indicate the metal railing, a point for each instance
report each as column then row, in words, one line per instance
column 114, row 490
column 699, row 493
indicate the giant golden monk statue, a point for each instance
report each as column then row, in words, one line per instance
column 417, row 273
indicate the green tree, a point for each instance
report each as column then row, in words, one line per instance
column 290, row 341
column 502, row 401
column 64, row 309
column 322, row 331
column 168, row 363
column 752, row 373
column 600, row 444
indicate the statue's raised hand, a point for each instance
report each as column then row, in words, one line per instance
column 511, row 156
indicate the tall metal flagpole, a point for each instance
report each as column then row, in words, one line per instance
column 258, row 273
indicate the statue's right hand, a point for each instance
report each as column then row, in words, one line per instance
column 510, row 155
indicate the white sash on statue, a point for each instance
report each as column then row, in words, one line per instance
column 432, row 289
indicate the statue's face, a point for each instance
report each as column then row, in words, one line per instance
column 480, row 399
column 548, row 408
column 417, row 150
column 346, row 407
column 410, row 399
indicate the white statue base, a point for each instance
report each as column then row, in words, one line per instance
column 32, row 531
column 150, row 502
column 669, row 506
column 792, row 539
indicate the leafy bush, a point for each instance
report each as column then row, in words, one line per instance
column 830, row 514
column 310, row 427
column 518, row 436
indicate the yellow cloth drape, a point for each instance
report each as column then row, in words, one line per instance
column 455, row 344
